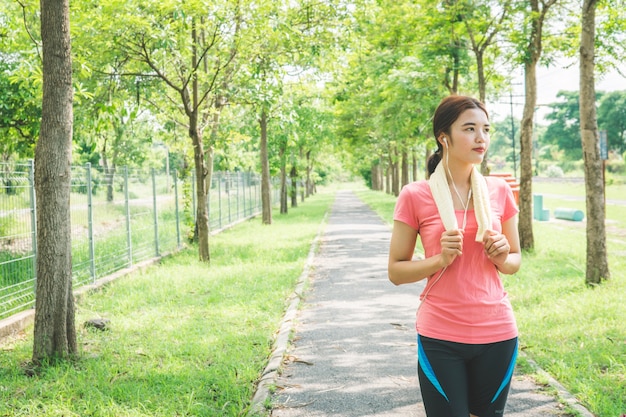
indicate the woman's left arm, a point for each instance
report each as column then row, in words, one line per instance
column 503, row 249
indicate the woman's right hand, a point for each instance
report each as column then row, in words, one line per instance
column 451, row 246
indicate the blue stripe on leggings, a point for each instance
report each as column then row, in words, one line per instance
column 427, row 368
column 509, row 374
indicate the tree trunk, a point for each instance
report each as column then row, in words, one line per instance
column 294, row 185
column 374, row 176
column 395, row 172
column 482, row 94
column 309, row 169
column 405, row 168
column 109, row 176
column 192, row 105
column 283, row 180
column 266, row 196
column 55, row 331
column 597, row 261
column 388, row 174
column 220, row 102
column 526, row 154
column 202, row 209
column 534, row 48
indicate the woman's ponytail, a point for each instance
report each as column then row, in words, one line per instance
column 433, row 161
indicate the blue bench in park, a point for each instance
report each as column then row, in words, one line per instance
column 569, row 214
column 541, row 214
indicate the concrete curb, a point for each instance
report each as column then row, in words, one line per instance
column 271, row 371
column 562, row 394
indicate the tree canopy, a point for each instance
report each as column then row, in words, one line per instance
column 296, row 86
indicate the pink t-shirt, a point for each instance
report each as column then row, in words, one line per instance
column 468, row 303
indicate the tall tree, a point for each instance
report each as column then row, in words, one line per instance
column 392, row 83
column 597, row 261
column 55, row 331
column 444, row 26
column 532, row 50
column 291, row 36
column 482, row 23
column 189, row 47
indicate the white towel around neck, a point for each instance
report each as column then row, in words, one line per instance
column 438, row 183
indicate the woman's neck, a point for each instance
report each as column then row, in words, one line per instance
column 459, row 175
column 460, row 186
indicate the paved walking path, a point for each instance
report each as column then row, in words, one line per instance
column 354, row 350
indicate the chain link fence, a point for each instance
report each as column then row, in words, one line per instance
column 119, row 218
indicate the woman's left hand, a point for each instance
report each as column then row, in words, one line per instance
column 496, row 247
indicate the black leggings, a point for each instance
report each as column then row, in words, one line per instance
column 457, row 379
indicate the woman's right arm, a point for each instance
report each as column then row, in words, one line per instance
column 402, row 269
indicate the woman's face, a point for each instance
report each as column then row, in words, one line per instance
column 470, row 137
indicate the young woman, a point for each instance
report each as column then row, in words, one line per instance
column 467, row 223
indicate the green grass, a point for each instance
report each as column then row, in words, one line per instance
column 575, row 333
column 185, row 338
column 616, row 192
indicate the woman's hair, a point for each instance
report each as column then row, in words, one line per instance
column 446, row 114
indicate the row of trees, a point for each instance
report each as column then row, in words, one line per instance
column 209, row 81
column 557, row 137
column 285, row 87
column 411, row 53
column 563, row 130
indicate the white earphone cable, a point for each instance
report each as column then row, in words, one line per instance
column 465, row 208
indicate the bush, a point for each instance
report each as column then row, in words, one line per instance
column 572, row 166
column 554, row 171
column 616, row 166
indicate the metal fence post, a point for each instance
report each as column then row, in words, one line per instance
column 92, row 249
column 250, row 200
column 228, row 188
column 129, row 240
column 242, row 176
column 155, row 216
column 219, row 202
column 176, row 208
column 256, row 197
column 238, row 180
column 33, row 218
column 208, row 186
column 194, row 205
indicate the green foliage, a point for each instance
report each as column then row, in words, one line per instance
column 561, row 139
column 390, row 85
column 360, row 78
column 20, row 112
column 612, row 118
column 564, row 129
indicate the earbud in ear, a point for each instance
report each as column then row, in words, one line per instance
column 445, row 141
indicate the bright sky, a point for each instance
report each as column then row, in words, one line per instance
column 549, row 82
